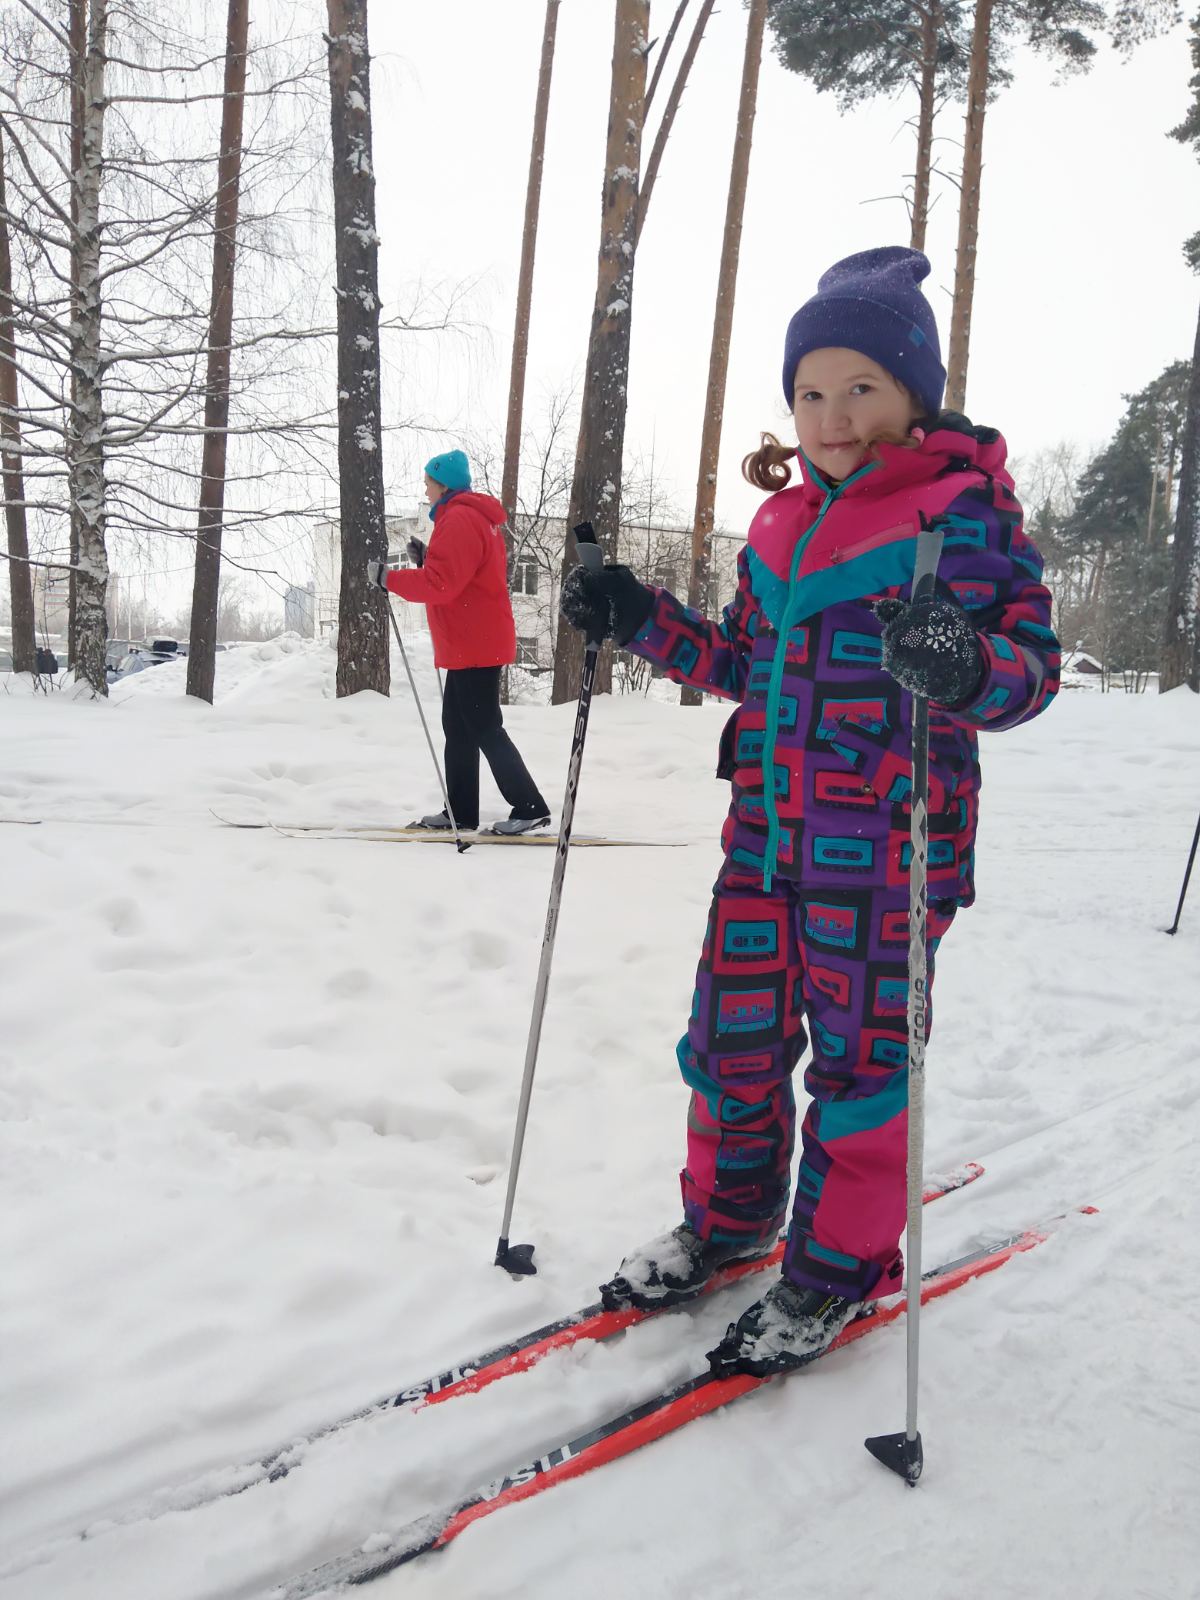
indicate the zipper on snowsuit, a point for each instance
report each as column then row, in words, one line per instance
column 779, row 662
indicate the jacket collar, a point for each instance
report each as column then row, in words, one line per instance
column 438, row 504
column 952, row 443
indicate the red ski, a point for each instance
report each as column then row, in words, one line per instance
column 591, row 1323
column 618, row 1437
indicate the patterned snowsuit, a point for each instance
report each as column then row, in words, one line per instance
column 809, row 920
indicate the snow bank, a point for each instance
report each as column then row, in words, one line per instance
column 257, row 1095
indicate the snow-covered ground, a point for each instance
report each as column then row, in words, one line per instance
column 256, row 1097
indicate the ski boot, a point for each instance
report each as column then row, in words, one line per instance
column 786, row 1329
column 515, row 824
column 673, row 1268
column 435, row 822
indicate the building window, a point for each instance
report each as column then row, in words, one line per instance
column 525, row 576
column 664, row 576
column 527, row 650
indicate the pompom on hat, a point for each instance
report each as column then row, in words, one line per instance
column 872, row 302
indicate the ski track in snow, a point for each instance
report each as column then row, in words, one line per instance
column 256, row 1100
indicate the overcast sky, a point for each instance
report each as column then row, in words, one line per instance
column 1081, row 290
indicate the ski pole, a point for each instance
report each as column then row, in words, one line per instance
column 902, row 1451
column 518, row 1258
column 462, row 844
column 1174, row 928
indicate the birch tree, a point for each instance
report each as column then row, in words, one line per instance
column 24, row 638
column 85, row 437
column 152, row 235
column 596, row 490
column 363, row 658
column 77, row 31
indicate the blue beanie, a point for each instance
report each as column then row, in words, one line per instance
column 451, row 469
column 871, row 302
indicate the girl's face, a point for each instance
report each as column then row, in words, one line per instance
column 843, row 402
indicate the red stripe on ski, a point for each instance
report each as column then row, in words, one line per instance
column 591, row 1323
column 604, row 1324
column 720, row 1391
column 618, row 1437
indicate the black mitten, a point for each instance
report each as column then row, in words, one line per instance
column 931, row 648
column 611, row 604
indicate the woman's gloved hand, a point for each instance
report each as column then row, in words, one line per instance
column 931, row 648
column 611, row 604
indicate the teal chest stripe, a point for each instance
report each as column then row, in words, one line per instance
column 889, row 567
column 792, row 612
column 769, row 589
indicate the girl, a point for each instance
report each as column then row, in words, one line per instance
column 807, row 936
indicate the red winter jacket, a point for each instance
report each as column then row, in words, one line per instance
column 464, row 584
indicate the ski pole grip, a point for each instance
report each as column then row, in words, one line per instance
column 925, row 564
column 588, row 546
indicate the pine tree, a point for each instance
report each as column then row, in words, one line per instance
column 1181, row 646
column 718, row 360
column 864, row 48
column 1119, row 526
column 202, row 657
column 363, row 646
column 596, row 491
column 533, row 191
column 1064, row 30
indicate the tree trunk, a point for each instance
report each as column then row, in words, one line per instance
column 968, row 208
column 928, row 94
column 665, row 51
column 202, row 651
column 520, row 352
column 1154, row 480
column 85, row 463
column 77, row 40
column 718, row 360
column 1181, row 646
column 24, row 637
column 596, row 488
column 668, row 116
column 363, row 660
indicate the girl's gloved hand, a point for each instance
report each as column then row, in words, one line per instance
column 611, row 604
column 931, row 648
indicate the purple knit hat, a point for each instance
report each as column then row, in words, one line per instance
column 871, row 302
